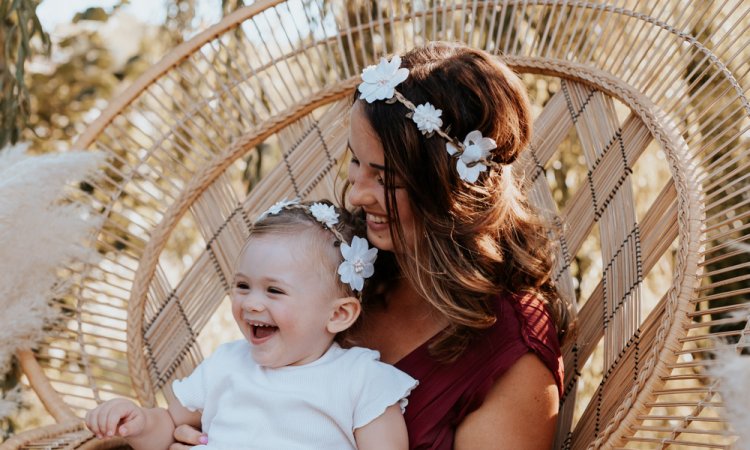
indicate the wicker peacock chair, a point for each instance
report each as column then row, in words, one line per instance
column 637, row 85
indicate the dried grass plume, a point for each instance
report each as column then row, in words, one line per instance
column 41, row 233
column 732, row 373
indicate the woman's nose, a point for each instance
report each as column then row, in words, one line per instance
column 359, row 193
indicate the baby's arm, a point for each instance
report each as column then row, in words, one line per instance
column 386, row 432
column 143, row 428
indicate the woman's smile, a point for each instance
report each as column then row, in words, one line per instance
column 376, row 222
column 366, row 186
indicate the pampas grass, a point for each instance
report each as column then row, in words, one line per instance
column 734, row 375
column 10, row 401
column 41, row 233
column 733, row 379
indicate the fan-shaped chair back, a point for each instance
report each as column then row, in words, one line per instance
column 255, row 109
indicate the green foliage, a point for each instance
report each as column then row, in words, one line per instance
column 98, row 14
column 20, row 25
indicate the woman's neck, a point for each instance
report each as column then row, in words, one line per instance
column 403, row 322
column 403, row 297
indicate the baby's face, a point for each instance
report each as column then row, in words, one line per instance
column 280, row 302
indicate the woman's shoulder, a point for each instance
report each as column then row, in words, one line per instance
column 529, row 313
column 524, row 320
column 523, row 326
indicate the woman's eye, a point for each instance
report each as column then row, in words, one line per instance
column 354, row 161
column 380, row 180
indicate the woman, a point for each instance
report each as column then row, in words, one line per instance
column 462, row 298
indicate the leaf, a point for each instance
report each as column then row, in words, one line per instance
column 21, row 25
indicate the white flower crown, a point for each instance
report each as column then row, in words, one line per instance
column 379, row 83
column 359, row 258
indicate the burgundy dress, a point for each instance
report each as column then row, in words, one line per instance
column 449, row 392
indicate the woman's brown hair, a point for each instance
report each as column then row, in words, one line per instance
column 472, row 241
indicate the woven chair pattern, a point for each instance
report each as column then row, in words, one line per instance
column 281, row 74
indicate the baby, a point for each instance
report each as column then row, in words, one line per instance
column 288, row 384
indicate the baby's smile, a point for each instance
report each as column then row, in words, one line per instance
column 261, row 331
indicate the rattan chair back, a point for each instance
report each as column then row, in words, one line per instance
column 255, row 109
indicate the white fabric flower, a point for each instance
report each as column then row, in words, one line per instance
column 427, row 118
column 379, row 82
column 277, row 207
column 476, row 148
column 358, row 263
column 325, row 214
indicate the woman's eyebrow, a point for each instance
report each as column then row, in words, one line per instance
column 373, row 165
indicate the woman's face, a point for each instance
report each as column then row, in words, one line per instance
column 366, row 175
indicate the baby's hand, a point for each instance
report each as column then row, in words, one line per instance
column 116, row 417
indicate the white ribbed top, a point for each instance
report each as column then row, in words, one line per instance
column 313, row 406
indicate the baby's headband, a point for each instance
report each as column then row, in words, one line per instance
column 359, row 259
column 379, row 83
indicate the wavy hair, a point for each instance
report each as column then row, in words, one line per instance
column 472, row 241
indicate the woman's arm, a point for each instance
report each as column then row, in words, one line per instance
column 386, row 432
column 519, row 412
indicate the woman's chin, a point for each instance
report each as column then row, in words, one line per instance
column 380, row 239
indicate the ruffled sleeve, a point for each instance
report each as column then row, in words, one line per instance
column 192, row 391
column 539, row 333
column 379, row 386
column 524, row 326
column 448, row 392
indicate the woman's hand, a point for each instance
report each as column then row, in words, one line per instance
column 186, row 437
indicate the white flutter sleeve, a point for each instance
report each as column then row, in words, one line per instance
column 192, row 390
column 380, row 386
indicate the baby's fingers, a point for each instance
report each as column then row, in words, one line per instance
column 113, row 418
column 104, row 419
column 92, row 420
column 132, row 424
column 96, row 418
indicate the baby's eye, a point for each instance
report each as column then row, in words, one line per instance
column 275, row 290
column 354, row 161
column 241, row 285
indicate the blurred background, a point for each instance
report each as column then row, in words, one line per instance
column 64, row 60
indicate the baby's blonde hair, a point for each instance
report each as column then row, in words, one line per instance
column 295, row 219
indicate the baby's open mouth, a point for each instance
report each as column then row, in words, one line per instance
column 263, row 331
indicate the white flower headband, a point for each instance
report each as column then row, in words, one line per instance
column 359, row 259
column 379, row 83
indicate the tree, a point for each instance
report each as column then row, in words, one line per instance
column 20, row 25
